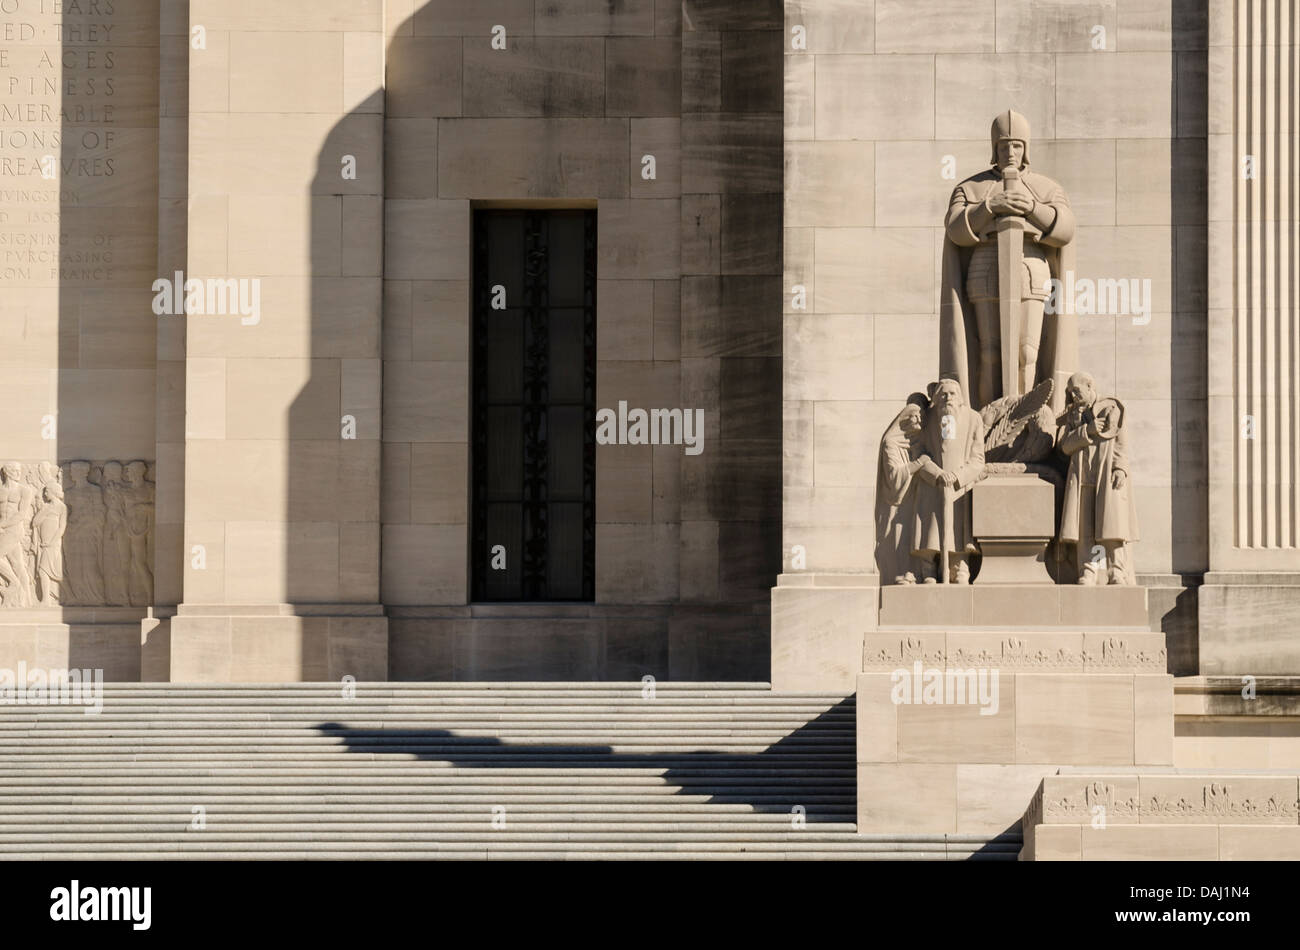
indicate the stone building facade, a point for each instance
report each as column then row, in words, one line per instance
column 768, row 186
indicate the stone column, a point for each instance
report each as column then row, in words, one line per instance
column 1252, row 593
column 282, row 425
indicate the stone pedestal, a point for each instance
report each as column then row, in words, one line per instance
column 278, row 643
column 817, row 625
column 966, row 757
column 1013, row 519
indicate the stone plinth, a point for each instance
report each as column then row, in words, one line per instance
column 1247, row 624
column 1009, row 605
column 1013, row 518
column 1163, row 814
column 278, row 643
column 817, row 625
column 1022, row 704
column 104, row 638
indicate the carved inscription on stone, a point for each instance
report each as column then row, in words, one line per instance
column 81, row 534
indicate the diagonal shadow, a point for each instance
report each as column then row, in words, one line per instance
column 777, row 778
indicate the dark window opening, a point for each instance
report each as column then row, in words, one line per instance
column 534, row 430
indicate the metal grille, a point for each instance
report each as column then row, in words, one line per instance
column 534, row 445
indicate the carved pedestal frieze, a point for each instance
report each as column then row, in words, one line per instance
column 77, row 534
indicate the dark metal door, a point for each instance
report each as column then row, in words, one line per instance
column 534, row 438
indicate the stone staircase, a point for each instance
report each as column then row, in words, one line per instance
column 444, row 771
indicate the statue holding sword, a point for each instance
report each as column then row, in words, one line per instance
column 1007, row 232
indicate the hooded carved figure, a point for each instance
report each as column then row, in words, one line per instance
column 969, row 315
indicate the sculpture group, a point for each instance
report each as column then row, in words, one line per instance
column 81, row 534
column 1010, row 398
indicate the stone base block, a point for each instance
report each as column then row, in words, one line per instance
column 952, row 749
column 1247, row 624
column 1013, row 605
column 93, row 638
column 817, row 630
column 1014, row 517
column 278, row 643
column 579, row 642
column 1133, row 815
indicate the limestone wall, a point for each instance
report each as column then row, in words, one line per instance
column 887, row 97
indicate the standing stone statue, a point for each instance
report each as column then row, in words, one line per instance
column 1098, row 516
column 1007, row 232
column 898, row 462
column 952, row 461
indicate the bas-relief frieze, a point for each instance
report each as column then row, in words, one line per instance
column 79, row 534
column 1115, row 654
column 1213, row 801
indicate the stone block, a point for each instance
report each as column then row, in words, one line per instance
column 532, row 158
column 1247, row 843
column 971, row 88
column 892, row 268
column 833, row 26
column 828, row 357
column 1248, row 628
column 902, row 798
column 926, row 605
column 1149, row 843
column 1071, row 719
column 1109, row 606
column 877, row 718
column 817, row 636
column 940, row 26
column 1118, row 95
column 643, row 76
column 978, row 726
column 510, row 82
column 830, row 184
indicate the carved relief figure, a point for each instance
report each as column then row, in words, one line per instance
column 48, row 526
column 17, row 503
column 138, row 500
column 1007, row 221
column 1098, row 516
column 952, row 461
column 898, row 463
column 117, row 539
column 85, row 536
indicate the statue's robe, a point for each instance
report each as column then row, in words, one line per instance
column 958, row 329
column 895, row 488
column 934, row 530
column 1093, row 511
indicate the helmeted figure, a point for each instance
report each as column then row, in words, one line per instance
column 970, row 329
column 1098, row 517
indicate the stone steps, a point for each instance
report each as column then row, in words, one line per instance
column 576, row 771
